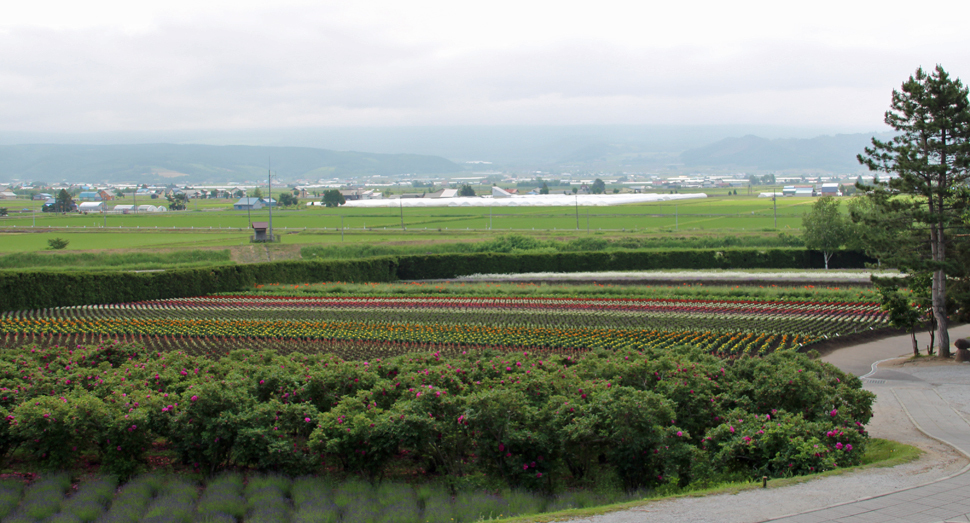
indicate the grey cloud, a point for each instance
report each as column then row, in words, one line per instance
column 283, row 70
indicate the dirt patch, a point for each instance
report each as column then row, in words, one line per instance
column 264, row 252
column 920, row 362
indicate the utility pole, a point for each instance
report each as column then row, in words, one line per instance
column 341, row 227
column 587, row 220
column 401, row 204
column 269, row 189
column 249, row 209
column 104, row 211
column 774, row 202
column 489, row 215
column 577, row 211
column 676, row 218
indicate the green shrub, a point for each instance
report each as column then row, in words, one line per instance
column 56, row 429
column 483, row 419
column 57, row 243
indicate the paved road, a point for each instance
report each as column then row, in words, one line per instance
column 918, row 392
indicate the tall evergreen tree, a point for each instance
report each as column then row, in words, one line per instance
column 929, row 161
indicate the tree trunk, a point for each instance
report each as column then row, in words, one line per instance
column 939, row 312
column 826, row 255
column 912, row 334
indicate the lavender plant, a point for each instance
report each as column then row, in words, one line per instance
column 133, row 499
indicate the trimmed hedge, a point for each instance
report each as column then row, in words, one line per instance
column 46, row 289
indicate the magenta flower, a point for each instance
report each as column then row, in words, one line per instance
column 838, row 446
column 834, row 413
column 308, row 420
column 193, row 398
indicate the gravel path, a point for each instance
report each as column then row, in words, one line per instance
column 889, row 421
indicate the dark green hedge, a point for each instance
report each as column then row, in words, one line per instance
column 45, row 289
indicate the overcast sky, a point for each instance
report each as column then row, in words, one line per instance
column 68, row 66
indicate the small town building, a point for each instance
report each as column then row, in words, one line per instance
column 7, row 195
column 89, row 196
column 42, row 196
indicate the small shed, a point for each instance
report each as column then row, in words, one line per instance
column 260, row 231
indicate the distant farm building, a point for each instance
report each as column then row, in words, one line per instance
column 7, row 195
column 798, row 190
column 90, row 207
column 89, row 196
column 42, row 196
column 248, row 204
column 124, row 209
column 830, row 189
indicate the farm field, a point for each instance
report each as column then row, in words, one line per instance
column 379, row 225
column 369, row 326
column 390, row 402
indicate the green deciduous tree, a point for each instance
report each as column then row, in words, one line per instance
column 598, row 187
column 466, row 190
column 287, row 199
column 825, row 228
column 929, row 161
column 333, row 198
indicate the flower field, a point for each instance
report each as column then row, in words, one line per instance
column 356, row 327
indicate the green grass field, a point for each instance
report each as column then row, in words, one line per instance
column 217, row 227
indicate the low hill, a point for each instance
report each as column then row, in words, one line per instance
column 830, row 153
column 169, row 162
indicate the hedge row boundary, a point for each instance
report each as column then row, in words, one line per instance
column 47, row 289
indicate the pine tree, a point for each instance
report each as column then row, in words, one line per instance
column 930, row 163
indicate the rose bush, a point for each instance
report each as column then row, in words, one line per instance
column 528, row 420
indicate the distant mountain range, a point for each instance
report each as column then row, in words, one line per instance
column 145, row 163
column 442, row 151
column 830, row 153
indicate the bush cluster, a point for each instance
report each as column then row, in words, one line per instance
column 526, row 420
